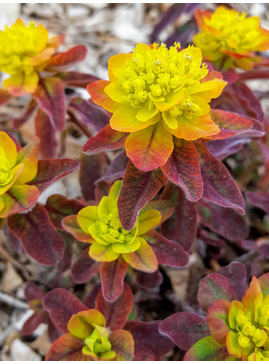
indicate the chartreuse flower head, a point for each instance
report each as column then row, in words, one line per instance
column 24, row 51
column 228, row 38
column 90, row 326
column 100, row 225
column 156, row 93
column 16, row 169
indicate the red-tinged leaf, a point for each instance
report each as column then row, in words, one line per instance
column 237, row 274
column 90, row 298
column 76, row 79
column 63, row 60
column 219, row 186
column 50, row 170
column 210, row 238
column 167, row 251
column 33, row 292
column 53, row 332
column 149, row 280
column 217, row 319
column 38, row 235
column 19, row 198
column 66, row 261
column 259, row 199
column 84, row 268
column 207, row 349
column 107, row 138
column 223, row 148
column 264, row 283
column 222, row 221
column 150, row 344
column 230, row 75
column 149, row 148
column 33, row 322
column 181, row 227
column 66, row 348
column 214, row 287
column 70, row 224
column 183, row 169
column 18, row 122
column 89, row 113
column 62, row 305
column 116, row 313
column 4, row 97
column 123, row 344
column 51, row 99
column 230, row 124
column 47, row 135
column 112, row 276
column 137, row 189
column 184, row 328
column 237, row 97
column 116, row 169
column 92, row 168
column 58, row 207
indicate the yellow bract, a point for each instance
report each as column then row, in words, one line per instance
column 24, row 51
column 229, row 37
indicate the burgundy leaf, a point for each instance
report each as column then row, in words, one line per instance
column 92, row 168
column 112, row 276
column 84, row 268
column 259, row 199
column 116, row 169
column 90, row 298
column 116, row 313
column 183, row 169
column 61, row 305
column 66, row 261
column 181, row 227
column 89, row 113
column 107, row 138
column 33, row 292
column 137, row 189
column 214, row 287
column 58, row 207
column 167, row 251
column 34, row 321
column 223, row 148
column 149, row 343
column 219, row 186
column 236, row 272
column 255, row 74
column 51, row 98
column 50, row 170
column 149, row 280
column 47, row 135
column 17, row 122
column 184, row 328
column 63, row 60
column 222, row 221
column 38, row 235
column 76, row 79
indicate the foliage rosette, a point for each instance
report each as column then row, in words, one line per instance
column 239, row 329
column 229, row 38
column 102, row 332
column 160, row 104
column 115, row 248
column 30, row 57
column 17, row 169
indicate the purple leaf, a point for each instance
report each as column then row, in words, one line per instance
column 61, row 305
column 237, row 274
column 184, row 328
column 181, row 227
column 18, row 122
column 84, row 268
column 149, row 280
column 259, row 199
column 38, row 235
column 215, row 287
column 34, row 321
column 137, row 189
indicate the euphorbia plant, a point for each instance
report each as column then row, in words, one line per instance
column 238, row 328
column 35, row 67
column 116, row 248
column 101, row 333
